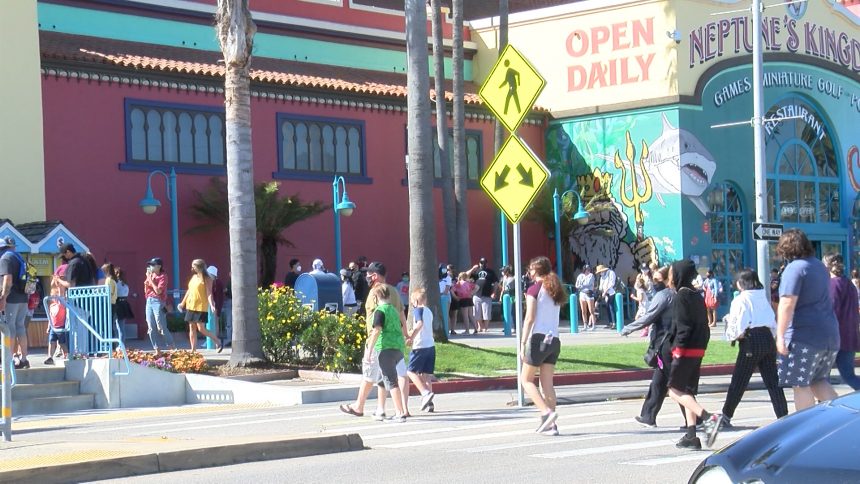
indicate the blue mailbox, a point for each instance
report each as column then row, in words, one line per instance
column 320, row 291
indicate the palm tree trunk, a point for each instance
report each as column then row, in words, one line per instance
column 450, row 217
column 268, row 261
column 236, row 35
column 422, row 233
column 500, row 130
column 460, row 169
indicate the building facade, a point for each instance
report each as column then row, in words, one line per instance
column 130, row 87
column 637, row 90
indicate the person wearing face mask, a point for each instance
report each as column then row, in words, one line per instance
column 403, row 290
column 658, row 317
column 370, row 369
column 293, row 274
column 350, row 306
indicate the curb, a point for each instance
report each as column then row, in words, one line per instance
column 186, row 459
column 564, row 379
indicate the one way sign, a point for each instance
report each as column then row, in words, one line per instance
column 763, row 231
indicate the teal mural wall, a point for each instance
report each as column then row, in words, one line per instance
column 637, row 172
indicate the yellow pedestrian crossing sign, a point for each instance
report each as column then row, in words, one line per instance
column 514, row 178
column 512, row 88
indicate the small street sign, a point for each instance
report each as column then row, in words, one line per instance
column 762, row 231
column 512, row 88
column 514, row 178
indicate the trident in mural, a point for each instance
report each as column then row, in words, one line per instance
column 634, row 199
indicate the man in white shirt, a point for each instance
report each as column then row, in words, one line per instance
column 606, row 290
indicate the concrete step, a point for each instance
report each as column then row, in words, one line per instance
column 49, row 405
column 40, row 375
column 27, row 391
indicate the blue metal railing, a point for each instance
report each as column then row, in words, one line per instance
column 83, row 335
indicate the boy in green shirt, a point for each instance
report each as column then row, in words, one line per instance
column 387, row 338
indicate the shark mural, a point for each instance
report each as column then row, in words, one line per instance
column 678, row 162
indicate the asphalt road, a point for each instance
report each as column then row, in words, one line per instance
column 472, row 438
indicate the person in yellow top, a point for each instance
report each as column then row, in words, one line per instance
column 197, row 301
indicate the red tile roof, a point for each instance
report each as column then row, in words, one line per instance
column 194, row 62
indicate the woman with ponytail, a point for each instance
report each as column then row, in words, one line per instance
column 540, row 343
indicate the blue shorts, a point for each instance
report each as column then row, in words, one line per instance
column 423, row 360
column 61, row 337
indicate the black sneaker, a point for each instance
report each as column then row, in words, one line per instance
column 711, row 427
column 24, row 364
column 546, row 421
column 430, row 408
column 689, row 443
column 726, row 423
column 49, row 361
column 641, row 421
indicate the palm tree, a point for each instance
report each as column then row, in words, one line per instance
column 236, row 30
column 460, row 171
column 274, row 214
column 422, row 233
column 448, row 212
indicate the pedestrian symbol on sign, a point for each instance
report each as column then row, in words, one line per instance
column 512, row 80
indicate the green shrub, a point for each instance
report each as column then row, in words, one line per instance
column 294, row 334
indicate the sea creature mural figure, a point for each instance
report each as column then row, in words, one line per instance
column 679, row 163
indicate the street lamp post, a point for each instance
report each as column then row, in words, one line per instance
column 150, row 204
column 581, row 217
column 343, row 205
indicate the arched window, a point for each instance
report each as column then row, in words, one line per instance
column 802, row 167
column 727, row 222
column 855, row 234
column 174, row 134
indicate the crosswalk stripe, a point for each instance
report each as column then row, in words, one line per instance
column 183, row 428
column 680, row 458
column 454, row 428
column 605, row 449
column 693, row 456
column 552, row 441
column 465, row 438
column 173, row 423
column 461, row 438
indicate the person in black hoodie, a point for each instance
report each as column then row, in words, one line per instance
column 690, row 336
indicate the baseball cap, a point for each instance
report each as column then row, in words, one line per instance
column 155, row 261
column 212, row 270
column 67, row 248
column 377, row 267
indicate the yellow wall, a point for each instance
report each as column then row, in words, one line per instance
column 592, row 55
column 22, row 195
column 607, row 55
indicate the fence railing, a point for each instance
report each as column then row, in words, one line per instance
column 90, row 328
column 8, row 377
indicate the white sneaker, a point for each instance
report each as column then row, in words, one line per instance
column 396, row 419
column 551, row 432
column 547, row 421
column 379, row 417
column 427, row 400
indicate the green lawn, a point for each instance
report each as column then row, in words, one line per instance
column 455, row 359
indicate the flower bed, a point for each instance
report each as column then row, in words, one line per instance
column 176, row 361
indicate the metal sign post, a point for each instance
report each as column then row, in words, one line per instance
column 518, row 274
column 516, row 175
